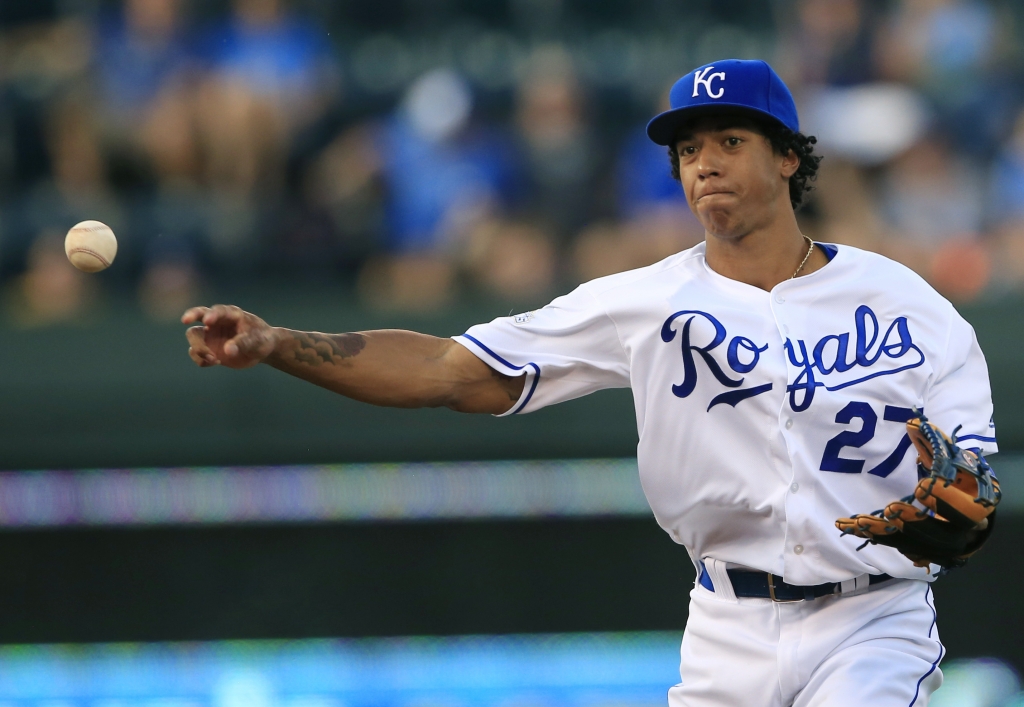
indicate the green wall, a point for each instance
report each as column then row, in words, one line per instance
column 372, row 579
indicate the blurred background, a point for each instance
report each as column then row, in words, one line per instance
column 176, row 537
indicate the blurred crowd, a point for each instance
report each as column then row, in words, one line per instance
column 265, row 140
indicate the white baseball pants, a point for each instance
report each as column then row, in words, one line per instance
column 879, row 648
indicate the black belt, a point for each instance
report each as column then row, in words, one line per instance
column 764, row 585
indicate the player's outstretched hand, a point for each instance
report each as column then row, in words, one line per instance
column 225, row 335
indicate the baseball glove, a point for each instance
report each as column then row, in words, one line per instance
column 951, row 512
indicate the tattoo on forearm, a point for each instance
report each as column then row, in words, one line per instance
column 315, row 349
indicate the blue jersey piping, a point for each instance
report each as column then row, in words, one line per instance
column 499, row 359
column 980, row 438
column 942, row 649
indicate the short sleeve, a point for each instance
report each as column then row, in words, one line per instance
column 961, row 393
column 568, row 349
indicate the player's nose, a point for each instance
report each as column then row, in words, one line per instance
column 708, row 172
column 708, row 165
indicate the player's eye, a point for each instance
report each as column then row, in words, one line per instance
column 733, row 141
column 688, row 150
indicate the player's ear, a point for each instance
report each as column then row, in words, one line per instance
column 790, row 163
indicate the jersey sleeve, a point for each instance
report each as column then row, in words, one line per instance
column 961, row 393
column 566, row 350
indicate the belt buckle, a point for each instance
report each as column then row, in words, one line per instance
column 771, row 591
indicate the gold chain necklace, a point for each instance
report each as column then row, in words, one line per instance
column 810, row 248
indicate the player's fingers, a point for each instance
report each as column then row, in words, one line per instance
column 222, row 313
column 246, row 344
column 197, row 343
column 197, row 339
column 200, row 360
column 193, row 314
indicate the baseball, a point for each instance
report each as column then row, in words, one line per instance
column 90, row 246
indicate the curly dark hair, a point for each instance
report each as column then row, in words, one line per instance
column 783, row 141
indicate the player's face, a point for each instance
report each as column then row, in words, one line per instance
column 734, row 182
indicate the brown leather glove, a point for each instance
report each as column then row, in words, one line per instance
column 951, row 512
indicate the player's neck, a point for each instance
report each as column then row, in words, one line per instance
column 764, row 257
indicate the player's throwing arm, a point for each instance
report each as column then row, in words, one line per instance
column 387, row 367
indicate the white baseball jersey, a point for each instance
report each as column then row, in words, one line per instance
column 762, row 416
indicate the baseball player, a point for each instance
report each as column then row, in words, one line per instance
column 779, row 385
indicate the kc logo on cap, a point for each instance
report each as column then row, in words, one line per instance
column 753, row 86
column 701, row 77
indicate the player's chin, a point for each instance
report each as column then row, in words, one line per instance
column 721, row 222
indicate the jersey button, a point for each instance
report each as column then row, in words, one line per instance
column 799, row 549
column 780, row 299
column 789, row 424
column 794, row 487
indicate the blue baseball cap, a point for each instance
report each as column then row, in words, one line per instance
column 732, row 83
